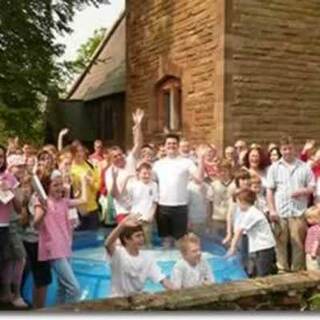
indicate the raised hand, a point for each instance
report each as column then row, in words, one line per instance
column 202, row 151
column 11, row 142
column 132, row 220
column 16, row 141
column 137, row 116
column 64, row 131
column 166, row 130
column 12, row 146
column 309, row 145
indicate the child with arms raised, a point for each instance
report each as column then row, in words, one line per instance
column 130, row 266
column 143, row 194
column 55, row 234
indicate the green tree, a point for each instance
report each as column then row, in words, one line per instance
column 87, row 49
column 28, row 53
column 83, row 57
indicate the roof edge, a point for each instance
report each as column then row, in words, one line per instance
column 96, row 54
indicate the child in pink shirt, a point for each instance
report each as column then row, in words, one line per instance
column 312, row 242
column 55, row 234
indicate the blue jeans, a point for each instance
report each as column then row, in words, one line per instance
column 68, row 285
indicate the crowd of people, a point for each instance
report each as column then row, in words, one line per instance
column 262, row 202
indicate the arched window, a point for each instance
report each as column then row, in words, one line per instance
column 169, row 104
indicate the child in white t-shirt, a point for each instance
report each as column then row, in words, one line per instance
column 242, row 180
column 260, row 237
column 130, row 266
column 143, row 195
column 221, row 199
column 193, row 269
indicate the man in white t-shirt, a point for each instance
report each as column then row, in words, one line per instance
column 260, row 237
column 173, row 173
column 130, row 266
column 122, row 169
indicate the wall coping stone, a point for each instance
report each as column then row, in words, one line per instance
column 277, row 292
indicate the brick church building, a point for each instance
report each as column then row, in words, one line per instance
column 212, row 70
column 219, row 70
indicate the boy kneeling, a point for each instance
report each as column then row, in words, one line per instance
column 131, row 267
column 192, row 269
column 260, row 237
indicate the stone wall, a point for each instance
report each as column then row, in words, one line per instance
column 272, row 69
column 280, row 292
column 249, row 68
column 182, row 38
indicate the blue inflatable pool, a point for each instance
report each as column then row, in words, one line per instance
column 93, row 271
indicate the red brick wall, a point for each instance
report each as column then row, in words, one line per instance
column 272, row 69
column 183, row 38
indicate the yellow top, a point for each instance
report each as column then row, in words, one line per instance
column 77, row 171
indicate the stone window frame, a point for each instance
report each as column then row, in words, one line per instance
column 169, row 87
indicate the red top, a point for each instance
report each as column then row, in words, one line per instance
column 303, row 157
column 103, row 187
column 315, row 169
column 95, row 158
column 211, row 169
